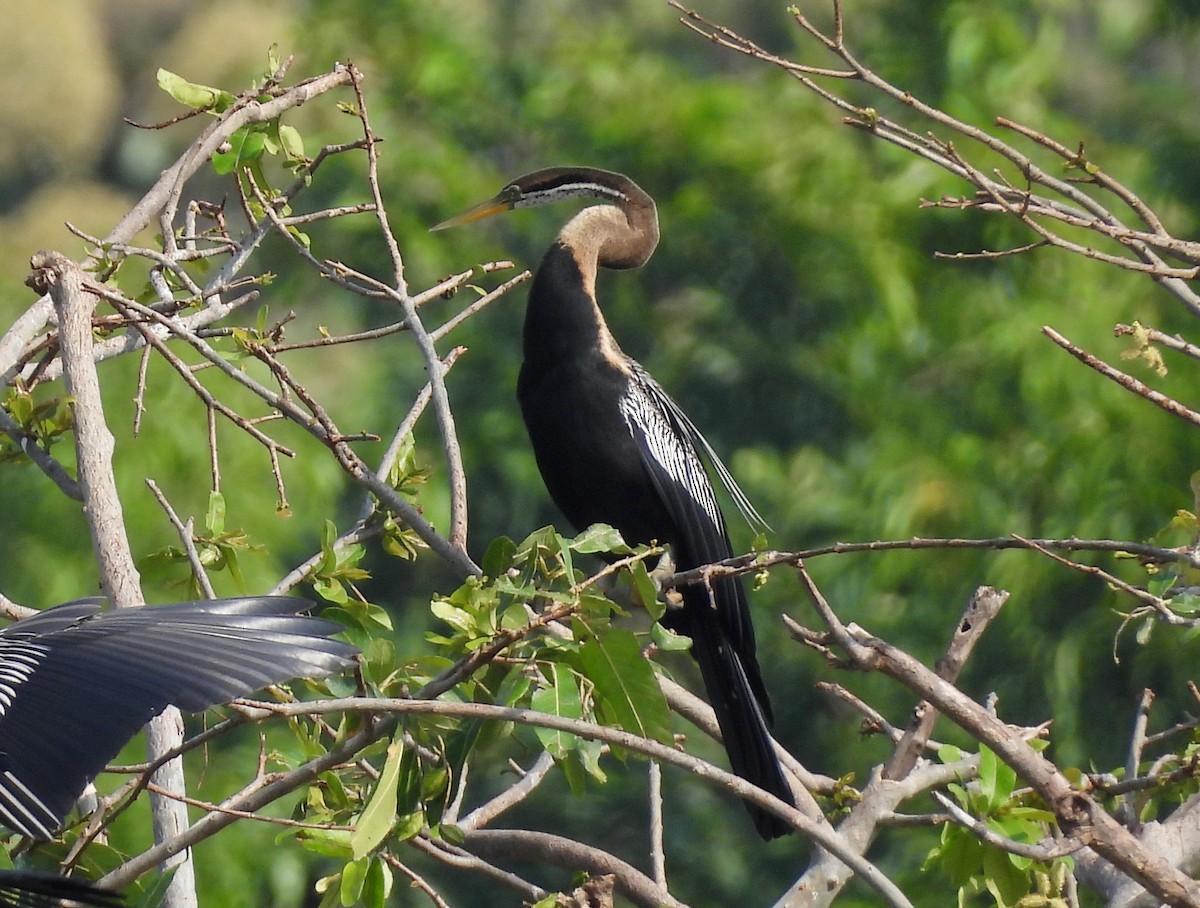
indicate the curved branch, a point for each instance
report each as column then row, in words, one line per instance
column 526, row 845
column 616, row 737
column 1078, row 813
column 425, row 343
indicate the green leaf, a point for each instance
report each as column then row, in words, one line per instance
column 564, row 554
column 627, row 691
column 245, row 147
column 214, row 520
column 1005, row 882
column 559, row 697
column 1145, row 630
column 198, row 97
column 380, row 813
column 647, row 593
column 573, row 773
column 291, row 142
column 948, row 753
column 600, row 537
column 378, row 884
column 988, row 767
column 499, row 557
column 234, row 566
column 354, row 877
column 409, row 825
column 960, row 854
column 1006, row 781
column 332, row 843
column 329, row 537
column 459, row 619
column 329, row 889
column 669, row 641
column 330, row 590
column 589, row 753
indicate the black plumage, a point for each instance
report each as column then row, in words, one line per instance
column 614, row 448
column 76, row 683
column 30, row 889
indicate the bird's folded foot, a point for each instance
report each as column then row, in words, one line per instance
column 663, row 571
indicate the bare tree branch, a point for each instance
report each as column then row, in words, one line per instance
column 62, row 279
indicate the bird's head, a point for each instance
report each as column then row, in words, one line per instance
column 553, row 184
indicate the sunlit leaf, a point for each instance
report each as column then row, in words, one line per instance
column 291, row 142
column 354, row 877
column 600, row 537
column 558, row 697
column 627, row 690
column 214, row 519
column 380, row 813
column 190, row 94
column 378, row 884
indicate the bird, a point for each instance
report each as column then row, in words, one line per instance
column 33, row 889
column 613, row 447
column 77, row 682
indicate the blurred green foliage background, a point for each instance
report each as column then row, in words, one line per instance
column 859, row 388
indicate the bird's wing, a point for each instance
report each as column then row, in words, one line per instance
column 670, row 419
column 740, row 500
column 720, row 626
column 30, row 889
column 71, row 697
column 669, row 455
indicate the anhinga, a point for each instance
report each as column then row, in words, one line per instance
column 77, row 683
column 614, row 448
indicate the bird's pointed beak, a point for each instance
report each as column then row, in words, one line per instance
column 482, row 210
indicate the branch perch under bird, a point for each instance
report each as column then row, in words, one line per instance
column 614, row 448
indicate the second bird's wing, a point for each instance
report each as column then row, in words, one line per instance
column 76, row 684
column 31, row 889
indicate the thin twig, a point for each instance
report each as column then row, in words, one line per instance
column 425, row 343
column 186, row 539
column 983, row 608
column 1127, row 810
column 658, row 855
column 462, row 859
column 418, row 881
column 486, row 813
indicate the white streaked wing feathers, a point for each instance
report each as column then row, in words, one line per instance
column 646, row 417
column 661, row 421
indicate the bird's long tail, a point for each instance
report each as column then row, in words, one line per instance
column 738, row 697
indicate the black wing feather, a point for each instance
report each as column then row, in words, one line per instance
column 720, row 626
column 77, row 683
column 30, row 889
column 667, row 442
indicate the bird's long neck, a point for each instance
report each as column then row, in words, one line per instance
column 563, row 317
column 562, row 320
